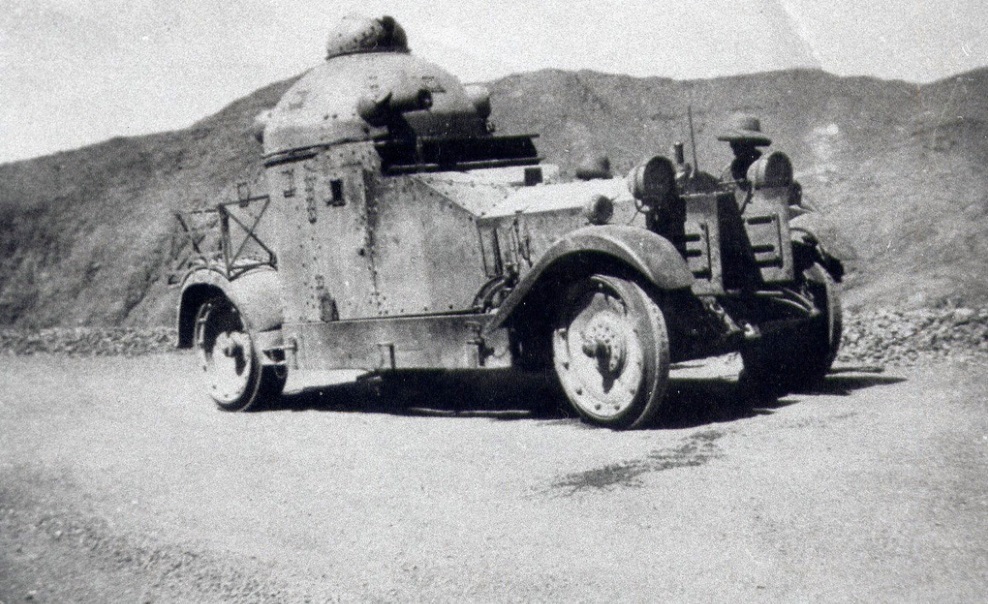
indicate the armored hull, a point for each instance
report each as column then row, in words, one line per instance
column 401, row 232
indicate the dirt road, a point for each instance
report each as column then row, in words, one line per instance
column 119, row 482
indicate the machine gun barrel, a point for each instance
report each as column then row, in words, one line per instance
column 382, row 110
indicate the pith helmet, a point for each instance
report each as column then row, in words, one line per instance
column 745, row 129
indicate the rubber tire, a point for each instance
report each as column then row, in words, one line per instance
column 253, row 383
column 798, row 359
column 645, row 345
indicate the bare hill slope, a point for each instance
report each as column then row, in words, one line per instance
column 898, row 169
column 84, row 234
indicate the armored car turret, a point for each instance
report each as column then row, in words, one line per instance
column 397, row 230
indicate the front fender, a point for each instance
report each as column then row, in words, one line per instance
column 830, row 250
column 826, row 233
column 651, row 256
column 256, row 294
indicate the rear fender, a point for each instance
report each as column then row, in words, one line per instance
column 256, row 294
column 598, row 249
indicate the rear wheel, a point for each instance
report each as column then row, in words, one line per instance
column 232, row 372
column 611, row 352
column 798, row 359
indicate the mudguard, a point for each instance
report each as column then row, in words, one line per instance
column 642, row 251
column 816, row 234
column 256, row 294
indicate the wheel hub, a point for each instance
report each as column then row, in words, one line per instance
column 230, row 345
column 604, row 340
column 227, row 368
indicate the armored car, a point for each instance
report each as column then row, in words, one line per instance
column 394, row 229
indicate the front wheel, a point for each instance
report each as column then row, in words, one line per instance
column 232, row 372
column 610, row 350
column 798, row 359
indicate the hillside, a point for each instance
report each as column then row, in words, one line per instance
column 84, row 234
column 899, row 170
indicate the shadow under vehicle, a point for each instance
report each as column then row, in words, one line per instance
column 397, row 231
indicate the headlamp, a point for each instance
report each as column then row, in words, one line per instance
column 653, row 181
column 773, row 170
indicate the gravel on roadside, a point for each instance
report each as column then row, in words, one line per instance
column 884, row 336
column 887, row 336
column 88, row 341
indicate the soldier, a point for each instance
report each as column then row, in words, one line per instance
column 745, row 136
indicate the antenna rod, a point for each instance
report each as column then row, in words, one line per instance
column 689, row 113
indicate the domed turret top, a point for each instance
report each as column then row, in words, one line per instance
column 372, row 89
column 356, row 34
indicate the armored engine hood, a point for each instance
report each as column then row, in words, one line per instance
column 372, row 88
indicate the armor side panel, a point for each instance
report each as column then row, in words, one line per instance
column 436, row 342
column 425, row 251
column 701, row 245
column 766, row 220
column 324, row 259
column 528, row 223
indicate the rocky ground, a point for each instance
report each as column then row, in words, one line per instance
column 87, row 341
column 907, row 337
column 881, row 337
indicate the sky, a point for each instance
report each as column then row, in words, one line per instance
column 76, row 72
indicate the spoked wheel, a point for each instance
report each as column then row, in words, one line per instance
column 233, row 374
column 611, row 352
column 798, row 359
